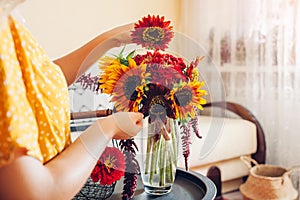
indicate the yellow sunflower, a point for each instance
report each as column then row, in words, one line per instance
column 187, row 97
column 129, row 89
column 104, row 62
column 113, row 70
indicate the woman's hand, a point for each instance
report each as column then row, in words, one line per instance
column 121, row 34
column 122, row 125
column 128, row 124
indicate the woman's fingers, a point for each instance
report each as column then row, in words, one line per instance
column 128, row 123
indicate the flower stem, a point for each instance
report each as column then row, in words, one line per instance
column 153, row 164
column 162, row 162
column 174, row 139
column 148, row 157
column 168, row 169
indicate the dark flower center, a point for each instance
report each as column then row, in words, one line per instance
column 183, row 97
column 153, row 34
column 130, row 85
column 157, row 106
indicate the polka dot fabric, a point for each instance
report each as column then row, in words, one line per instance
column 34, row 104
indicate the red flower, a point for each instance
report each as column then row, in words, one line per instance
column 165, row 69
column 161, row 58
column 152, row 32
column 156, row 103
column 192, row 66
column 110, row 167
column 94, row 175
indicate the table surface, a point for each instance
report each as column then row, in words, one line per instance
column 188, row 185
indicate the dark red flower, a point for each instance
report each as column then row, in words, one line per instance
column 94, row 175
column 165, row 76
column 161, row 58
column 165, row 69
column 156, row 103
column 110, row 167
column 129, row 148
column 152, row 32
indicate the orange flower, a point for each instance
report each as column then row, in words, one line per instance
column 187, row 96
column 128, row 91
column 122, row 82
column 114, row 70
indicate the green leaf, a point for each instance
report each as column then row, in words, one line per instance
column 130, row 55
column 121, row 52
column 124, row 61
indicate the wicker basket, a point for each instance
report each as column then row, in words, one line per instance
column 268, row 182
column 92, row 190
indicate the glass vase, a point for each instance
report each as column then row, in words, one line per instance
column 158, row 155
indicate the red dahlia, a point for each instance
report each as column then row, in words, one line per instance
column 165, row 69
column 152, row 32
column 110, row 167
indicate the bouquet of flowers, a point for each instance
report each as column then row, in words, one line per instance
column 158, row 84
column 154, row 83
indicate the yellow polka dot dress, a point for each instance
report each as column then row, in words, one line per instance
column 34, row 104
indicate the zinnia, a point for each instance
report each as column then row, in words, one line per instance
column 110, row 167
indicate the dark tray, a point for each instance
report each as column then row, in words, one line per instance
column 188, row 186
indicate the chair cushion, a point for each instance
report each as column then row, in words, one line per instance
column 233, row 137
column 230, row 169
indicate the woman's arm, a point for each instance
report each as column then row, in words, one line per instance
column 77, row 62
column 62, row 177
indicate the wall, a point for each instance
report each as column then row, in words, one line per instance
column 60, row 26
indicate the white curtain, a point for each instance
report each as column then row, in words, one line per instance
column 255, row 45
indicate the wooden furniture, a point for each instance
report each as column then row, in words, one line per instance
column 214, row 173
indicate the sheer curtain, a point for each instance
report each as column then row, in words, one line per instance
column 255, row 44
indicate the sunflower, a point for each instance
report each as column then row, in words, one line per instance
column 113, row 71
column 128, row 90
column 152, row 32
column 187, row 97
column 106, row 61
column 123, row 82
column 156, row 103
